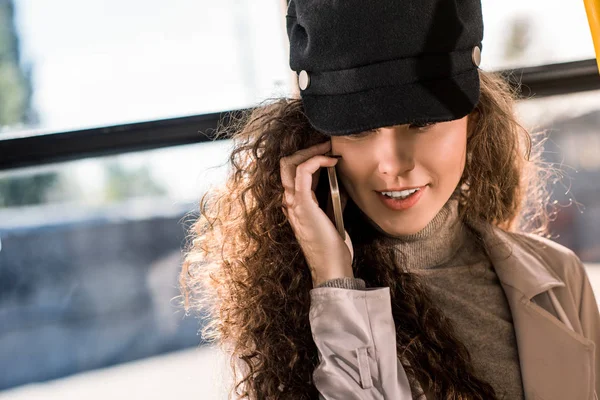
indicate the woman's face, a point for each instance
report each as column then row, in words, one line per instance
column 431, row 158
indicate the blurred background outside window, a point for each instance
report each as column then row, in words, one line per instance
column 91, row 249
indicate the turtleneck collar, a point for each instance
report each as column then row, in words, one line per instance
column 437, row 243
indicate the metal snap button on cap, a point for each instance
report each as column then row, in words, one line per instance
column 303, row 80
column 476, row 56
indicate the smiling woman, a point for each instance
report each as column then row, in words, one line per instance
column 255, row 251
column 417, row 299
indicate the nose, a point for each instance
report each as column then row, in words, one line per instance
column 396, row 153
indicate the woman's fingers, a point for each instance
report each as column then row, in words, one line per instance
column 304, row 154
column 289, row 164
column 304, row 175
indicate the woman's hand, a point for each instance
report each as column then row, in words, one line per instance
column 327, row 255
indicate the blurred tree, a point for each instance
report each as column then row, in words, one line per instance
column 16, row 109
column 15, row 79
column 21, row 191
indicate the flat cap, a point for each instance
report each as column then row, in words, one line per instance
column 367, row 64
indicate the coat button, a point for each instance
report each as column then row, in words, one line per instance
column 476, row 56
column 303, row 80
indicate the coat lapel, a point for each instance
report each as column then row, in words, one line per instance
column 556, row 362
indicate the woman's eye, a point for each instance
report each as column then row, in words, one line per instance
column 362, row 134
column 421, row 126
column 415, row 126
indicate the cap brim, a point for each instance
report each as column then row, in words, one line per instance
column 418, row 102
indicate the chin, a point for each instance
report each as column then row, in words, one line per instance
column 397, row 223
column 398, row 228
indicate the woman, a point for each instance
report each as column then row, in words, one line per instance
column 442, row 289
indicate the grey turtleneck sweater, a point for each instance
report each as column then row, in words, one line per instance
column 464, row 285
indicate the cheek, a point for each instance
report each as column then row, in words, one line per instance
column 446, row 155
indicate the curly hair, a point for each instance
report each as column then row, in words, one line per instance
column 245, row 271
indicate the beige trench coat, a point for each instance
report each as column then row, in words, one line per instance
column 555, row 316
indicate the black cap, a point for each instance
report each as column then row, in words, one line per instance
column 366, row 64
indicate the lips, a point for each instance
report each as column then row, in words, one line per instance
column 401, row 189
column 402, row 204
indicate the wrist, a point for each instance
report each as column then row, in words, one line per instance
column 344, row 283
column 329, row 277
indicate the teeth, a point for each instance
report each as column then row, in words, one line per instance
column 401, row 194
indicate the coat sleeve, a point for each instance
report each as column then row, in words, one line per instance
column 589, row 317
column 356, row 339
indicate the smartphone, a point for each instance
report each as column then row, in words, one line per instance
column 336, row 202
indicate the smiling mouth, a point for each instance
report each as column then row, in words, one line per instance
column 401, row 200
column 400, row 194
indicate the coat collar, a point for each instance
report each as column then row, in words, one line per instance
column 515, row 265
column 556, row 362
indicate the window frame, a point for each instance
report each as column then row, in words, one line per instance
column 34, row 150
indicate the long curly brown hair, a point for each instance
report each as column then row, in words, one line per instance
column 245, row 272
